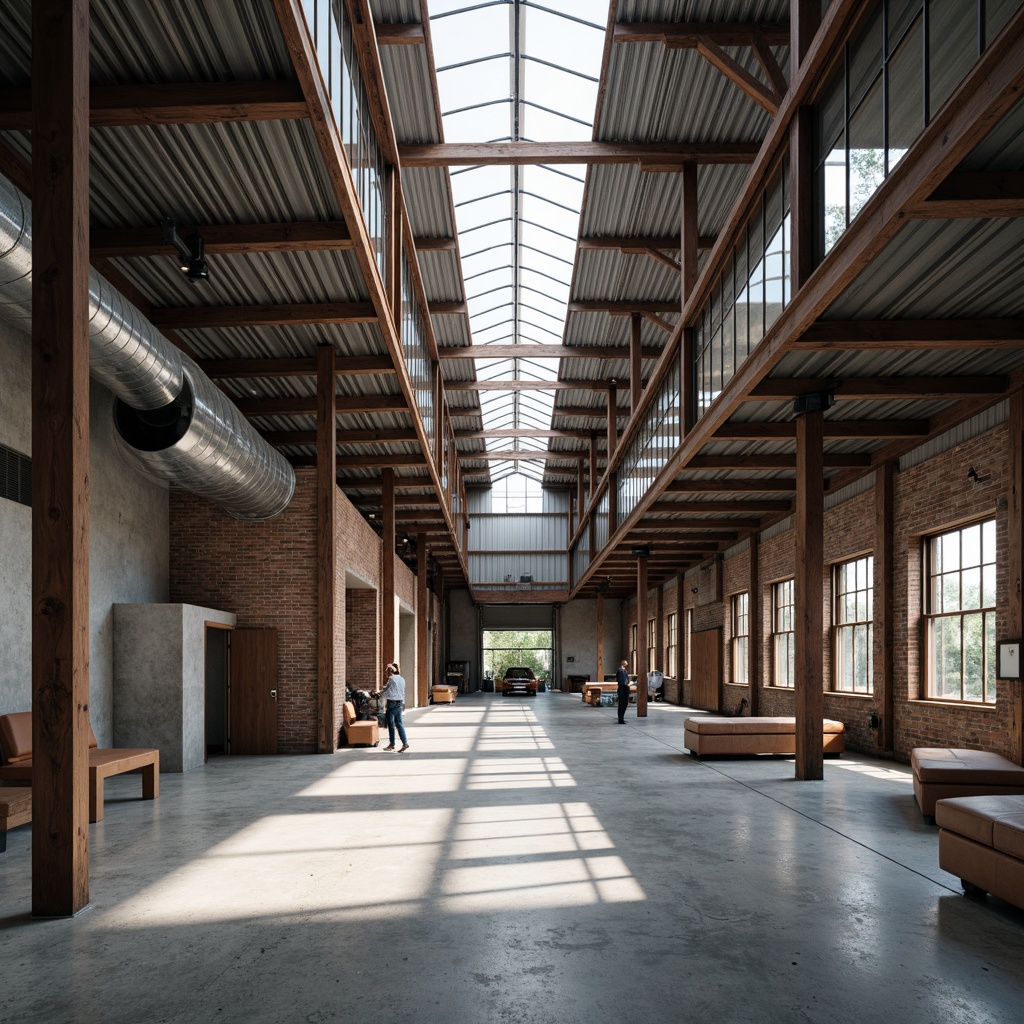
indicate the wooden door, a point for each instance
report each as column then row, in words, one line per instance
column 252, row 698
column 706, row 669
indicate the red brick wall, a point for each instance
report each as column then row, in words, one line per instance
column 266, row 574
column 362, row 634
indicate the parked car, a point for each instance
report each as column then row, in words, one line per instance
column 519, row 680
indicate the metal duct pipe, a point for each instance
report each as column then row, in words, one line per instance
column 171, row 420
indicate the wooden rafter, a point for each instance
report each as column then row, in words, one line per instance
column 489, row 154
column 751, row 485
column 118, row 106
column 241, row 369
column 910, row 334
column 683, row 35
column 302, row 236
column 839, row 460
column 642, row 244
column 770, row 65
column 306, row 406
column 716, row 507
column 195, row 317
column 861, row 429
column 514, row 456
column 760, row 93
column 399, row 34
column 526, row 385
column 979, row 195
column 392, row 435
column 546, row 352
column 880, row 388
column 622, row 307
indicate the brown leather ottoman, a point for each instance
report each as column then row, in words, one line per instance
column 754, row 735
column 981, row 841
column 943, row 772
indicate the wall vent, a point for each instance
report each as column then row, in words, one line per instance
column 15, row 476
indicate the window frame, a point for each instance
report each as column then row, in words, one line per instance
column 632, row 648
column 739, row 642
column 652, row 644
column 853, row 626
column 988, row 613
column 788, row 644
column 672, row 647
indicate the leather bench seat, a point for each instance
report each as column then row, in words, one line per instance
column 759, row 734
column 443, row 694
column 981, row 841
column 942, row 772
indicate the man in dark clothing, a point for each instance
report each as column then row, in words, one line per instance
column 622, row 678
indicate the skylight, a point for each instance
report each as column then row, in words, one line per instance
column 517, row 70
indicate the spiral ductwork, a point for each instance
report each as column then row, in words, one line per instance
column 172, row 421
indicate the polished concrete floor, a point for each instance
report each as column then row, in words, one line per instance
column 526, row 861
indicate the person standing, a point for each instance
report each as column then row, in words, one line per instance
column 394, row 695
column 622, row 678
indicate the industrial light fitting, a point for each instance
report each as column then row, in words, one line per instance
column 191, row 253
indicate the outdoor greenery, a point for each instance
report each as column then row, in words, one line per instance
column 505, row 648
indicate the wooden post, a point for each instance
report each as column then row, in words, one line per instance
column 599, row 676
column 1015, row 556
column 60, row 457
column 326, row 554
column 613, row 503
column 422, row 617
column 688, row 230
column 641, row 638
column 612, row 424
column 387, row 567
column 883, row 610
column 636, row 382
column 755, row 626
column 592, row 455
column 808, row 595
column 687, row 391
column 804, row 19
column 801, row 195
column 580, row 498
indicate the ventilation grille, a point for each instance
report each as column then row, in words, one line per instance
column 15, row 476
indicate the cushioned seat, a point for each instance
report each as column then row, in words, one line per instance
column 443, row 694
column 754, row 735
column 942, row 772
column 357, row 732
column 981, row 841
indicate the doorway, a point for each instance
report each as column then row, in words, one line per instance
column 216, row 701
column 526, row 648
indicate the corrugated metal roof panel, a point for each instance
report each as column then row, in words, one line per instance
column 407, row 79
column 426, row 196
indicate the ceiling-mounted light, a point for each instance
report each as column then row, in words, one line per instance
column 192, row 261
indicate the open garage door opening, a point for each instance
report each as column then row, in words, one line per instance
column 507, row 649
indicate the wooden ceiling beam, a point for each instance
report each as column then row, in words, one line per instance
column 838, row 460
column 621, row 307
column 526, row 385
column 683, row 35
column 280, row 438
column 456, row 308
column 492, row 154
column 120, row 106
column 861, row 429
column 764, row 96
column 746, row 506
column 543, row 456
column 242, row 369
column 221, row 239
column 435, row 244
column 270, row 315
column 546, row 352
column 480, row 435
column 984, row 194
column 880, row 388
column 696, row 523
column 585, row 412
column 826, row 335
column 379, row 461
column 642, row 244
column 399, row 34
column 306, row 406
column 749, row 485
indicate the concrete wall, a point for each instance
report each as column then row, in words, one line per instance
column 463, row 634
column 577, row 631
column 160, row 680
column 128, row 542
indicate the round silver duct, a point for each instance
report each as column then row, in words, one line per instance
column 171, row 419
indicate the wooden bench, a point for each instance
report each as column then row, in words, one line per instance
column 15, row 810
column 442, row 693
column 16, row 740
column 944, row 772
column 754, row 735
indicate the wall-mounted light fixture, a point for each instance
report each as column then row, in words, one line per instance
column 972, row 475
column 191, row 253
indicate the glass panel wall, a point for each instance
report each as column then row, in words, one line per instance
column 414, row 350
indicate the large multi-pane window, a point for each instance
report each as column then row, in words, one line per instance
column 783, row 649
column 741, row 638
column 652, row 644
column 689, row 642
column 852, row 584
column 895, row 75
column 960, row 614
column 672, row 661
column 632, row 648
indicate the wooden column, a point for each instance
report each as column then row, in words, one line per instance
column 326, row 554
column 754, row 625
column 808, row 595
column 801, row 196
column 1015, row 556
column 688, row 230
column 592, row 455
column 636, row 381
column 388, row 640
column 641, row 638
column 613, row 435
column 394, row 229
column 580, row 498
column 687, row 391
column 883, row 611
column 659, row 629
column 60, row 457
column 422, row 618
column 804, row 19
column 599, row 675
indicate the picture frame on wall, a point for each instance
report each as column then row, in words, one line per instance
column 1008, row 659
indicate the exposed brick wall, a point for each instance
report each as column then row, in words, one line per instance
column 266, row 574
column 362, row 633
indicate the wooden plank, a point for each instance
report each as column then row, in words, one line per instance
column 879, row 429
column 265, row 315
column 642, row 243
column 611, row 420
column 636, row 383
column 253, row 704
column 621, row 307
column 773, row 389
column 438, row 244
column 522, row 456
column 60, row 458
column 804, row 22
column 978, row 194
column 591, row 465
column 808, row 595
column 641, row 638
column 546, row 352
column 399, row 34
column 422, row 619
column 281, row 438
column 479, row 435
column 770, row 66
column 224, row 239
column 491, row 154
column 120, row 106
column 387, row 462
column 717, row 507
column 525, row 385
column 751, row 485
column 826, row 335
column 326, row 547
column 884, row 606
column 244, row 369
column 801, row 195
column 761, row 94
column 587, row 412
column 388, row 632
column 833, row 460
column 456, row 308
column 684, row 35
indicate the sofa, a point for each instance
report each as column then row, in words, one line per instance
column 443, row 694
column 981, row 841
column 944, row 772
column 357, row 732
column 753, row 735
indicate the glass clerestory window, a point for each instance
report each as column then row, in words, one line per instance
column 515, row 70
column 853, row 595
